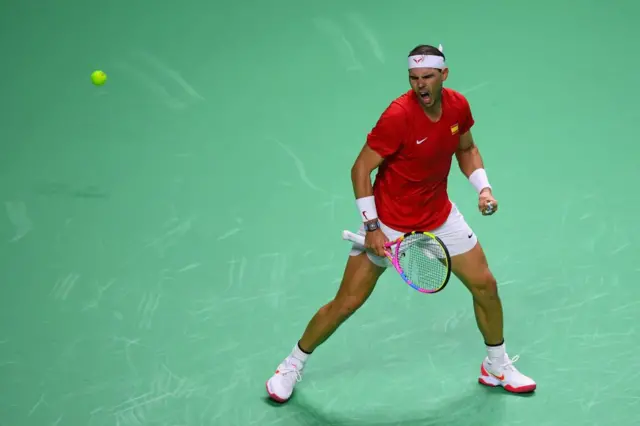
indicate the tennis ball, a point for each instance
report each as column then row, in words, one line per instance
column 98, row 78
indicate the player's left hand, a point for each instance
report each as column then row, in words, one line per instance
column 486, row 203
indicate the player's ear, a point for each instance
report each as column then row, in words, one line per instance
column 445, row 74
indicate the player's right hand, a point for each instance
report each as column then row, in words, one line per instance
column 375, row 241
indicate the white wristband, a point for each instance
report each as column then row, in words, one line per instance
column 367, row 208
column 479, row 180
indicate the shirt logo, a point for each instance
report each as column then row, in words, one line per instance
column 421, row 140
column 454, row 129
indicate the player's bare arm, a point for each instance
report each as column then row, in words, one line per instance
column 468, row 155
column 368, row 160
column 472, row 166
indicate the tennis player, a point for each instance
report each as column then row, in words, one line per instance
column 412, row 145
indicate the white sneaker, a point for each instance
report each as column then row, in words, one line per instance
column 506, row 375
column 288, row 374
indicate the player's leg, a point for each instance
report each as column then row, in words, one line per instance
column 359, row 279
column 469, row 264
column 472, row 269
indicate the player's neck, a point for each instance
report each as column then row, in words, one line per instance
column 434, row 112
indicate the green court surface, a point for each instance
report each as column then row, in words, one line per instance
column 166, row 237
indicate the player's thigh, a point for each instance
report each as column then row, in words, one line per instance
column 473, row 270
column 468, row 260
column 359, row 279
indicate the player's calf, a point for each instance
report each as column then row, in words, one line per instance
column 488, row 308
column 473, row 270
column 484, row 290
column 342, row 307
column 327, row 320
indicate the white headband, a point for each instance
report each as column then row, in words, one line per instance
column 427, row 61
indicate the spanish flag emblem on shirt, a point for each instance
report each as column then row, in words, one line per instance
column 454, row 129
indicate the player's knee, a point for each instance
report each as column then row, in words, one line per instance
column 485, row 286
column 346, row 306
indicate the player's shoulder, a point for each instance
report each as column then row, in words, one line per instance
column 402, row 106
column 406, row 101
column 455, row 98
column 397, row 109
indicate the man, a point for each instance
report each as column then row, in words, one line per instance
column 412, row 145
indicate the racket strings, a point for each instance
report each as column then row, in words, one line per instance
column 423, row 261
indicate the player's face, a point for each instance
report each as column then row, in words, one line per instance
column 427, row 84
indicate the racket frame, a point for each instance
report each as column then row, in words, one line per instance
column 395, row 262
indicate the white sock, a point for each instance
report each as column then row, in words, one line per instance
column 298, row 354
column 496, row 354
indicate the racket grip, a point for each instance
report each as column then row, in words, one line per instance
column 354, row 238
column 489, row 208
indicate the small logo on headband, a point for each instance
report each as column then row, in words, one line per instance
column 418, row 59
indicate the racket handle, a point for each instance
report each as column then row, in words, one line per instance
column 354, row 238
column 489, row 208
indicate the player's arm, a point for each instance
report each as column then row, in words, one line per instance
column 384, row 140
column 471, row 164
column 367, row 161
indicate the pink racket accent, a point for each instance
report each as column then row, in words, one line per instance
column 394, row 259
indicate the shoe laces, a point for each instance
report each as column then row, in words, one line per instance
column 508, row 364
column 291, row 372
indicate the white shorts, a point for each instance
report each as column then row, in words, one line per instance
column 455, row 233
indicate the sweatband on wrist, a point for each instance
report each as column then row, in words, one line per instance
column 479, row 180
column 367, row 208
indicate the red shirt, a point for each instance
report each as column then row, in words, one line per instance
column 411, row 184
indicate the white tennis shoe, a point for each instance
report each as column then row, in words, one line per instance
column 506, row 375
column 288, row 374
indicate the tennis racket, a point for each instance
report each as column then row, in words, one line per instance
column 420, row 258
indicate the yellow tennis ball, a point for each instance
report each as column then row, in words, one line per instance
column 98, row 78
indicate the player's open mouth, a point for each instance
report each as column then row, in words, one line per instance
column 426, row 97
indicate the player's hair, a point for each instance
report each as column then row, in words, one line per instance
column 426, row 49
